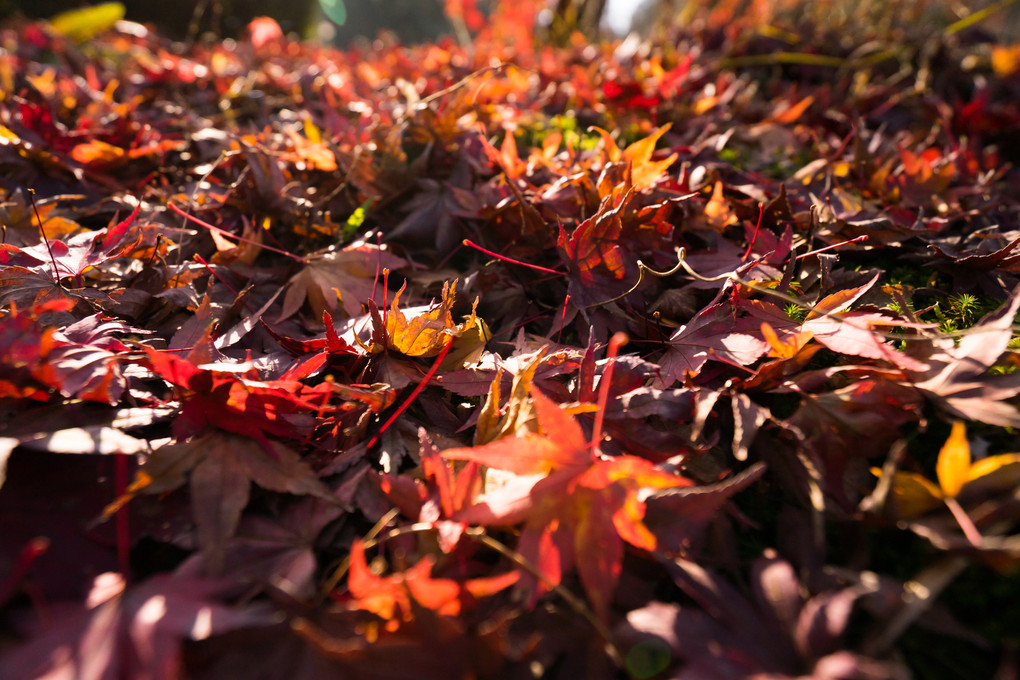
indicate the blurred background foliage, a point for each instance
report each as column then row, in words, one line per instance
column 413, row 21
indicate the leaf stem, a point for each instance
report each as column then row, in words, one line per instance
column 965, row 522
column 972, row 19
column 46, row 240
column 862, row 237
column 757, row 227
column 224, row 232
column 574, row 602
column 563, row 318
column 615, row 343
column 504, row 258
column 417, row 390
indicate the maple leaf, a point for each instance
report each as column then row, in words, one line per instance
column 913, row 495
column 431, row 220
column 87, row 370
column 278, row 551
column 395, row 597
column 718, row 212
column 852, row 423
column 853, row 332
column 80, row 252
column 424, row 332
column 310, row 152
column 506, row 157
column 781, row 631
column 577, row 508
column 601, row 253
column 644, row 172
column 338, row 277
column 23, row 221
column 680, row 517
column 245, row 406
column 444, row 493
column 219, row 469
column 99, row 155
column 712, row 332
column 957, row 380
column 131, row 631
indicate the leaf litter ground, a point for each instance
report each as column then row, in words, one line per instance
column 689, row 358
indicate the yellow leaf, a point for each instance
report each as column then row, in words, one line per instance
column 312, row 132
column 97, row 152
column 953, row 464
column 425, row 334
column 705, row 103
column 82, row 24
column 912, row 495
column 8, row 136
column 612, row 151
column 45, row 82
column 993, row 474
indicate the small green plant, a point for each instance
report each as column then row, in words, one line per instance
column 961, row 311
column 355, row 221
column 795, row 312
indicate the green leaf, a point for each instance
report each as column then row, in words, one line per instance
column 355, row 221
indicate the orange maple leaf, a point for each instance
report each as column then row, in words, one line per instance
column 644, row 172
column 393, row 598
column 577, row 507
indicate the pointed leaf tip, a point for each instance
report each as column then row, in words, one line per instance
column 954, row 461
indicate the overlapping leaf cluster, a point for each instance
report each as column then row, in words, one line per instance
column 322, row 353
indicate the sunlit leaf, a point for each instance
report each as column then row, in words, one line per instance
column 82, row 24
column 911, row 494
column 953, row 463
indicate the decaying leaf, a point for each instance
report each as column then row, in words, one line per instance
column 345, row 277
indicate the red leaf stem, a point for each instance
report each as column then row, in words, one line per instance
column 504, row 258
column 224, row 232
column 414, row 395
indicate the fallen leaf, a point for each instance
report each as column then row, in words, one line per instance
column 345, row 277
column 577, row 508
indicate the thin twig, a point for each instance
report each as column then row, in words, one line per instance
column 918, row 595
column 42, row 230
column 682, row 264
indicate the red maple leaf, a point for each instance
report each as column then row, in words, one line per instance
column 601, row 254
column 444, row 493
column 73, row 257
column 253, row 408
column 713, row 332
column 88, row 369
column 578, row 508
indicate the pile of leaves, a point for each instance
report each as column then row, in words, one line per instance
column 692, row 357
